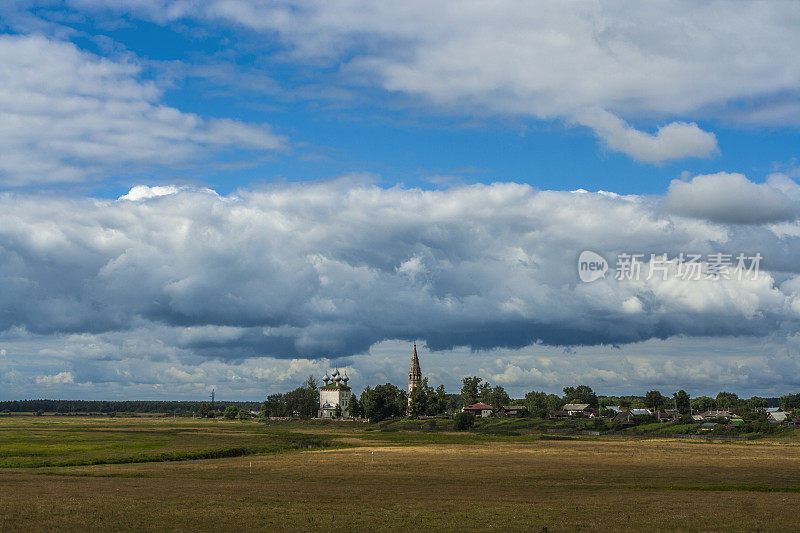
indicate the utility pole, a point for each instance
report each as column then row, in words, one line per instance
column 213, row 391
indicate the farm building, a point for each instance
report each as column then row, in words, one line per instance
column 577, row 408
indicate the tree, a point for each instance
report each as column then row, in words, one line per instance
column 654, row 400
column 756, row 404
column 790, row 402
column 274, row 406
column 205, row 411
column 469, row 390
column 338, row 411
column 231, row 412
column 580, row 394
column 440, row 403
column 539, row 403
column 355, row 407
column 702, row 403
column 382, row 402
column 422, row 399
column 682, row 401
column 303, row 401
column 243, row 414
column 727, row 399
column 499, row 397
column 485, row 393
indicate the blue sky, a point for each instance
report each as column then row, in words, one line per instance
column 338, row 125
column 235, row 194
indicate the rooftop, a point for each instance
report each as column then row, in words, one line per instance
column 335, row 386
column 576, row 407
column 478, row 406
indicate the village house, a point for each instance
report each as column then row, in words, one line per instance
column 777, row 416
column 577, row 409
column 667, row 415
column 512, row 410
column 624, row 418
column 725, row 413
column 479, row 409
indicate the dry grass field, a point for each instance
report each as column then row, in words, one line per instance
column 561, row 485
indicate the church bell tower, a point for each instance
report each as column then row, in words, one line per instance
column 414, row 374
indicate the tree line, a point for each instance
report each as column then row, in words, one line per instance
column 179, row 408
column 539, row 403
column 388, row 401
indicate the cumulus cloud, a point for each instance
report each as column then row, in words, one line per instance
column 551, row 60
column 143, row 192
column 328, row 269
column 733, row 199
column 61, row 378
column 67, row 116
column 676, row 140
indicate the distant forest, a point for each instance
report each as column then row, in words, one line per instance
column 107, row 407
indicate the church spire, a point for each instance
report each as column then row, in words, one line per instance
column 414, row 373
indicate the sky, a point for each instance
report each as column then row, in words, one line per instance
column 232, row 195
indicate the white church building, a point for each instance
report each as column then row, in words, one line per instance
column 334, row 393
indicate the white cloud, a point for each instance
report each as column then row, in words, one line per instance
column 68, row 116
column 549, row 60
column 62, row 378
column 143, row 192
column 733, row 199
column 676, row 140
column 632, row 305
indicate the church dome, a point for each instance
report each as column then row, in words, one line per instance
column 336, row 372
column 338, row 378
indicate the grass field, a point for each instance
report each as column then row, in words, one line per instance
column 377, row 479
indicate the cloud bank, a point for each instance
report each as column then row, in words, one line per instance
column 328, row 269
column 169, row 290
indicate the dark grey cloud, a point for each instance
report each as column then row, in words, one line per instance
column 733, row 199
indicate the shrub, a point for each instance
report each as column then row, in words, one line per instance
column 464, row 421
